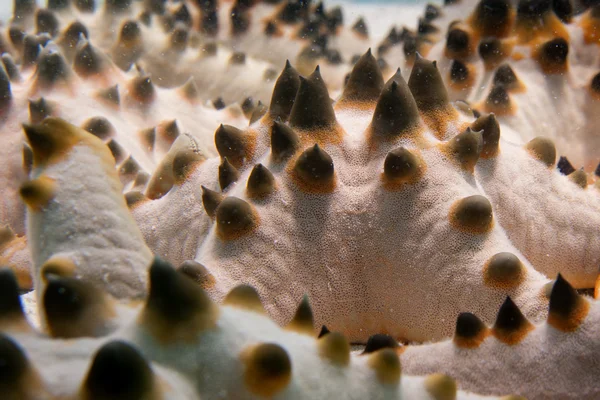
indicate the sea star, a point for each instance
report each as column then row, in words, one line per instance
column 181, row 345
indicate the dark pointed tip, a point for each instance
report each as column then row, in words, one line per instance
column 237, row 58
column 563, row 298
column 510, row 318
column 458, row 41
column 64, row 301
column 366, row 81
column 468, row 326
column 228, row 174
column 396, row 110
column 380, row 341
column 232, row 143
column 288, row 64
column 197, row 272
column 10, row 301
column 459, row 72
column 564, row 166
column 74, row 32
column 314, row 166
column 119, row 371
column 173, row 296
column 130, row 31
column 52, row 68
column 111, row 95
column 505, row 77
column 284, row 141
column 303, row 319
column 99, row 127
column 360, row 27
column 142, row 89
column 11, row 68
column 555, row 52
column 312, row 107
column 39, row 109
column 284, row 92
column 211, row 200
column 498, row 98
column 14, row 363
column 116, row 150
column 235, row 218
column 324, row 331
column 401, row 165
column 46, row 22
column 259, row 111
column 261, row 182
column 218, row 103
column 490, row 128
column 427, row 86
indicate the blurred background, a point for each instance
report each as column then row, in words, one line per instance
column 379, row 15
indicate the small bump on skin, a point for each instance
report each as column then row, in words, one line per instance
column 245, row 297
column 401, row 166
column 235, row 218
column 314, row 171
column 99, row 127
column 259, row 111
column 142, row 90
column 134, row 199
column 493, row 18
column 233, row 144
column 505, row 77
column 211, row 200
column 441, row 387
column 335, row 348
column 261, row 182
column 564, row 166
column 465, row 148
column 268, row 369
column 493, row 52
column 472, row 214
column 579, row 178
column 379, row 341
column 542, row 149
column 552, row 56
column 490, row 131
column 470, row 331
column 184, row 164
column 11, row 310
column 504, row 271
column 387, row 366
column 459, row 43
column 498, row 102
column 38, row 193
column 198, row 273
column 110, row 95
column 39, row 110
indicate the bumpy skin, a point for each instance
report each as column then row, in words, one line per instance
column 77, row 217
column 537, row 366
column 554, row 94
column 355, row 242
column 182, row 346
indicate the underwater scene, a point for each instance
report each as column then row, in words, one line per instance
column 295, row 199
